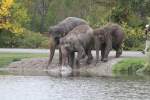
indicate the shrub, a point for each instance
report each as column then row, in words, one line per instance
column 146, row 68
column 33, row 40
column 27, row 39
column 128, row 66
column 133, row 38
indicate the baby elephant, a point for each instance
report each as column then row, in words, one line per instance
column 78, row 40
column 107, row 37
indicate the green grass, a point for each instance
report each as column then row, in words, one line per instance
column 6, row 58
column 128, row 66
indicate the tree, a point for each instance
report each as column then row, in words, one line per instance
column 134, row 12
column 13, row 17
column 5, row 17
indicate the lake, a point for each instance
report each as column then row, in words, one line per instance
column 45, row 87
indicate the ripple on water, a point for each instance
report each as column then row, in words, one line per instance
column 78, row 88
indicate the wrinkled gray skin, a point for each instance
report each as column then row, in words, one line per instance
column 107, row 37
column 60, row 30
column 78, row 40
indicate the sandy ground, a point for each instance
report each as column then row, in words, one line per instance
column 101, row 69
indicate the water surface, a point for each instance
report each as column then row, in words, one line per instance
column 19, row 87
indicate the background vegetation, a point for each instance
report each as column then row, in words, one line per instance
column 22, row 21
column 129, row 66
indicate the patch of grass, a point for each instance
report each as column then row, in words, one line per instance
column 6, row 58
column 146, row 68
column 129, row 66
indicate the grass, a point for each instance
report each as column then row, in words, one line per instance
column 6, row 58
column 129, row 66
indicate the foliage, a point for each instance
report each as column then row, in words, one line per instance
column 128, row 66
column 119, row 14
column 146, row 68
column 5, row 6
column 128, row 10
column 33, row 40
column 18, row 16
column 6, row 20
column 6, row 58
column 8, row 39
column 28, row 39
column 133, row 37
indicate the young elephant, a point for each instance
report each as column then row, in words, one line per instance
column 107, row 37
column 78, row 40
column 60, row 30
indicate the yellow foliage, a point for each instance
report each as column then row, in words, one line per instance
column 5, row 23
column 4, row 7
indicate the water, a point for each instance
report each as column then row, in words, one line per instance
column 19, row 87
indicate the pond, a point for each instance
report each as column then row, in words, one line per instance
column 45, row 87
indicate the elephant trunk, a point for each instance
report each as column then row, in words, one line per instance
column 52, row 50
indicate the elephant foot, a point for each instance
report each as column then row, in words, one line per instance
column 104, row 59
column 47, row 66
column 143, row 52
column 59, row 64
column 77, row 64
column 118, row 55
column 89, row 61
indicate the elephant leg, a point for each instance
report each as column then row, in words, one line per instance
column 102, row 52
column 90, row 56
column 60, row 57
column 97, row 48
column 71, row 59
column 118, row 51
column 71, row 64
column 64, row 53
column 107, row 50
column 81, row 54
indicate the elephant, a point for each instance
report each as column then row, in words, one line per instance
column 107, row 37
column 60, row 30
column 79, row 40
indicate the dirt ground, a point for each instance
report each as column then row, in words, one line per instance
column 101, row 69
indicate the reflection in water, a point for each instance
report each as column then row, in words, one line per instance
column 69, row 88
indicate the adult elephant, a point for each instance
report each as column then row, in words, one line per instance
column 60, row 30
column 107, row 37
column 79, row 40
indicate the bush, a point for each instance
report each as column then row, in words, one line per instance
column 146, row 68
column 9, row 39
column 133, row 38
column 27, row 39
column 33, row 40
column 128, row 66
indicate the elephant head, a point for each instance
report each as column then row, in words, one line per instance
column 98, row 41
column 55, row 34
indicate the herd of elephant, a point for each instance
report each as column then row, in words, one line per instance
column 75, row 35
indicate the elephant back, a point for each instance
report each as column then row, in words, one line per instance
column 67, row 25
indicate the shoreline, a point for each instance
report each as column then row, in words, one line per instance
column 101, row 69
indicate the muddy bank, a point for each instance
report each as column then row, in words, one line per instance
column 37, row 65
column 31, row 66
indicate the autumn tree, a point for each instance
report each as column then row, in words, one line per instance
column 12, row 16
